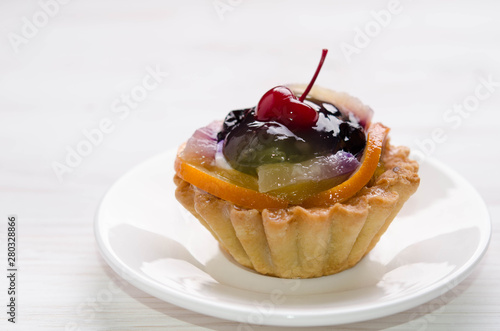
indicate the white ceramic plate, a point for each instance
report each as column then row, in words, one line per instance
column 434, row 243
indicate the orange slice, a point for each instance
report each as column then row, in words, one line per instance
column 375, row 141
column 215, row 184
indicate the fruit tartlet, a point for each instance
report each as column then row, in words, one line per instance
column 302, row 185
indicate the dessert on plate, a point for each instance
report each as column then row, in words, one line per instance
column 302, row 185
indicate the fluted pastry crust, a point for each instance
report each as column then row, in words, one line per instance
column 296, row 242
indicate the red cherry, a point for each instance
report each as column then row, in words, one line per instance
column 281, row 105
column 298, row 115
column 270, row 106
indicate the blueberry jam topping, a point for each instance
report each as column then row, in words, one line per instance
column 286, row 128
column 250, row 142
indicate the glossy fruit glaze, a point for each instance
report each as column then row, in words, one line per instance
column 250, row 141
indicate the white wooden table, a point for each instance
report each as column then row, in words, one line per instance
column 68, row 67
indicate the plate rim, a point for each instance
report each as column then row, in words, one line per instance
column 229, row 312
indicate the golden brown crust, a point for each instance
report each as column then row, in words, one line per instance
column 295, row 242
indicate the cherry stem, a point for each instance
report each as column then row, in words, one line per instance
column 309, row 87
